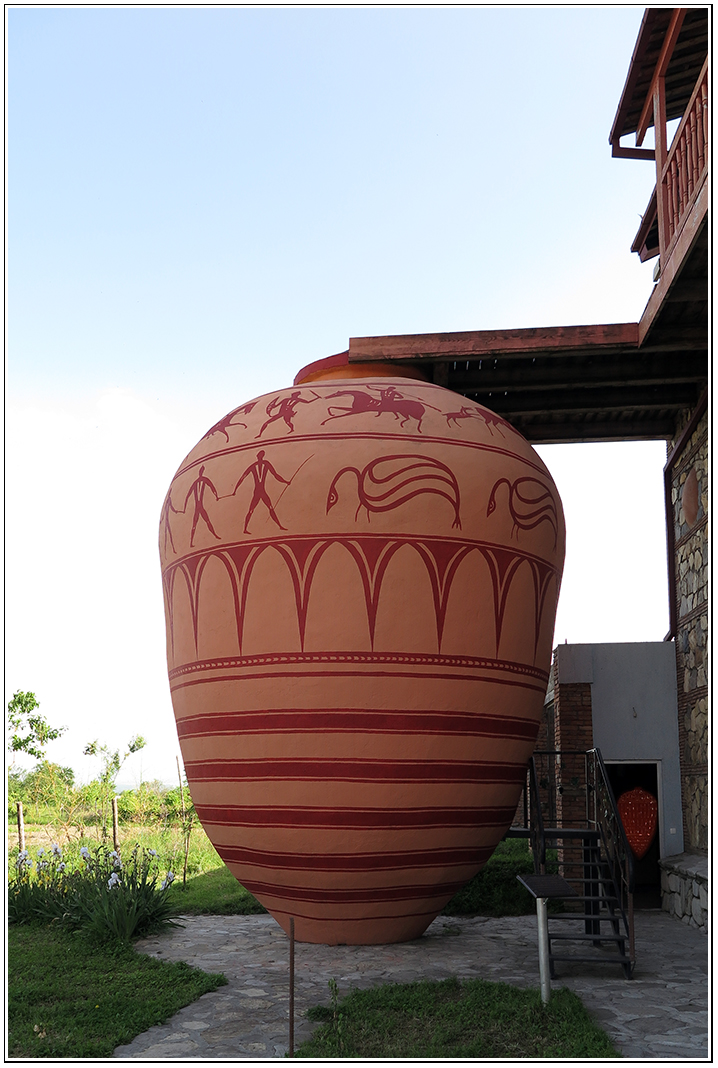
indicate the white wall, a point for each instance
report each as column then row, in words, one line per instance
column 635, row 715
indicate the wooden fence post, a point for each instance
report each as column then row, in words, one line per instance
column 20, row 828
column 115, row 826
column 186, row 829
column 179, row 776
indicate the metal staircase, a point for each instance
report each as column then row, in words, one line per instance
column 576, row 832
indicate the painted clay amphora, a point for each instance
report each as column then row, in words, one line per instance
column 360, row 577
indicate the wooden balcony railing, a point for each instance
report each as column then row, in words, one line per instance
column 684, row 171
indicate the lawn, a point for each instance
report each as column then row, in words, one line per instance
column 214, row 893
column 452, row 1019
column 69, row 998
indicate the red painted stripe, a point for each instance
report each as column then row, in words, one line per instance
column 363, row 436
column 338, row 770
column 244, row 676
column 355, row 917
column 302, row 721
column 366, row 818
column 485, row 663
column 364, row 862
column 345, row 897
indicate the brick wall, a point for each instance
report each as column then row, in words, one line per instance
column 573, row 729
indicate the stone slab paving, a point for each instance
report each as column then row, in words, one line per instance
column 662, row 1013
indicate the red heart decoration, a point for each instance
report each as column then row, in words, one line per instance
column 639, row 811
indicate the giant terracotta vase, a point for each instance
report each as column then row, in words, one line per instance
column 360, row 578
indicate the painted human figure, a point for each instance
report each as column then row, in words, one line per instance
column 285, row 408
column 259, row 472
column 389, row 396
column 168, row 507
column 197, row 491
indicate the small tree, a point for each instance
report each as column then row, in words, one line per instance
column 112, row 761
column 29, row 733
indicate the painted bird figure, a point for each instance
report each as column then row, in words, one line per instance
column 390, row 481
column 530, row 503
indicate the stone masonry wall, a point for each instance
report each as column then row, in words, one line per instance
column 689, row 494
column 684, row 886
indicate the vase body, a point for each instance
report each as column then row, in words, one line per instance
column 360, row 577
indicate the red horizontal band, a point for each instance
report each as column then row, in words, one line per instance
column 389, row 861
column 355, row 917
column 306, row 816
column 372, row 673
column 345, row 897
column 355, row 720
column 338, row 770
column 366, row 659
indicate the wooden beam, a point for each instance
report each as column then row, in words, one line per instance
column 613, row 430
column 659, row 73
column 582, row 402
column 619, row 152
column 689, row 292
column 481, row 344
column 441, row 373
column 653, row 369
column 690, row 233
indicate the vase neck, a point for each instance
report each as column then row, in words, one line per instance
column 338, row 366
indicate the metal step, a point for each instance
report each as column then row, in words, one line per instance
column 584, row 833
column 617, row 959
column 594, row 917
column 596, row 937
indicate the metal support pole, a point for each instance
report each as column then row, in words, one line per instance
column 544, row 967
column 20, row 828
column 291, row 986
column 115, row 825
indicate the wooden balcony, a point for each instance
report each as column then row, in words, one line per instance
column 686, row 166
column 682, row 179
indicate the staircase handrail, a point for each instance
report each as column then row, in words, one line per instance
column 613, row 838
column 538, row 838
column 624, row 854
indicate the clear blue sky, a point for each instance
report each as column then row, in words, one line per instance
column 202, row 200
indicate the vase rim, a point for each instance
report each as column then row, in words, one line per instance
column 338, row 366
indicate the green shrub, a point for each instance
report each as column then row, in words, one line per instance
column 46, row 792
column 109, row 898
column 496, row 891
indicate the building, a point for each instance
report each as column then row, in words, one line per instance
column 623, row 382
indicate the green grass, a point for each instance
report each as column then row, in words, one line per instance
column 215, row 893
column 453, row 1019
column 164, row 838
column 495, row 891
column 68, row 998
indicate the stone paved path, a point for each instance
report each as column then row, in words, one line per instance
column 661, row 1013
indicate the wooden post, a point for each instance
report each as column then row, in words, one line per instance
column 291, row 986
column 20, row 828
column 115, row 826
column 179, row 776
column 185, row 829
column 659, row 126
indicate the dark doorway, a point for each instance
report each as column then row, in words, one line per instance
column 624, row 777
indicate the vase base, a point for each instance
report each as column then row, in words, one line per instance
column 365, row 932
